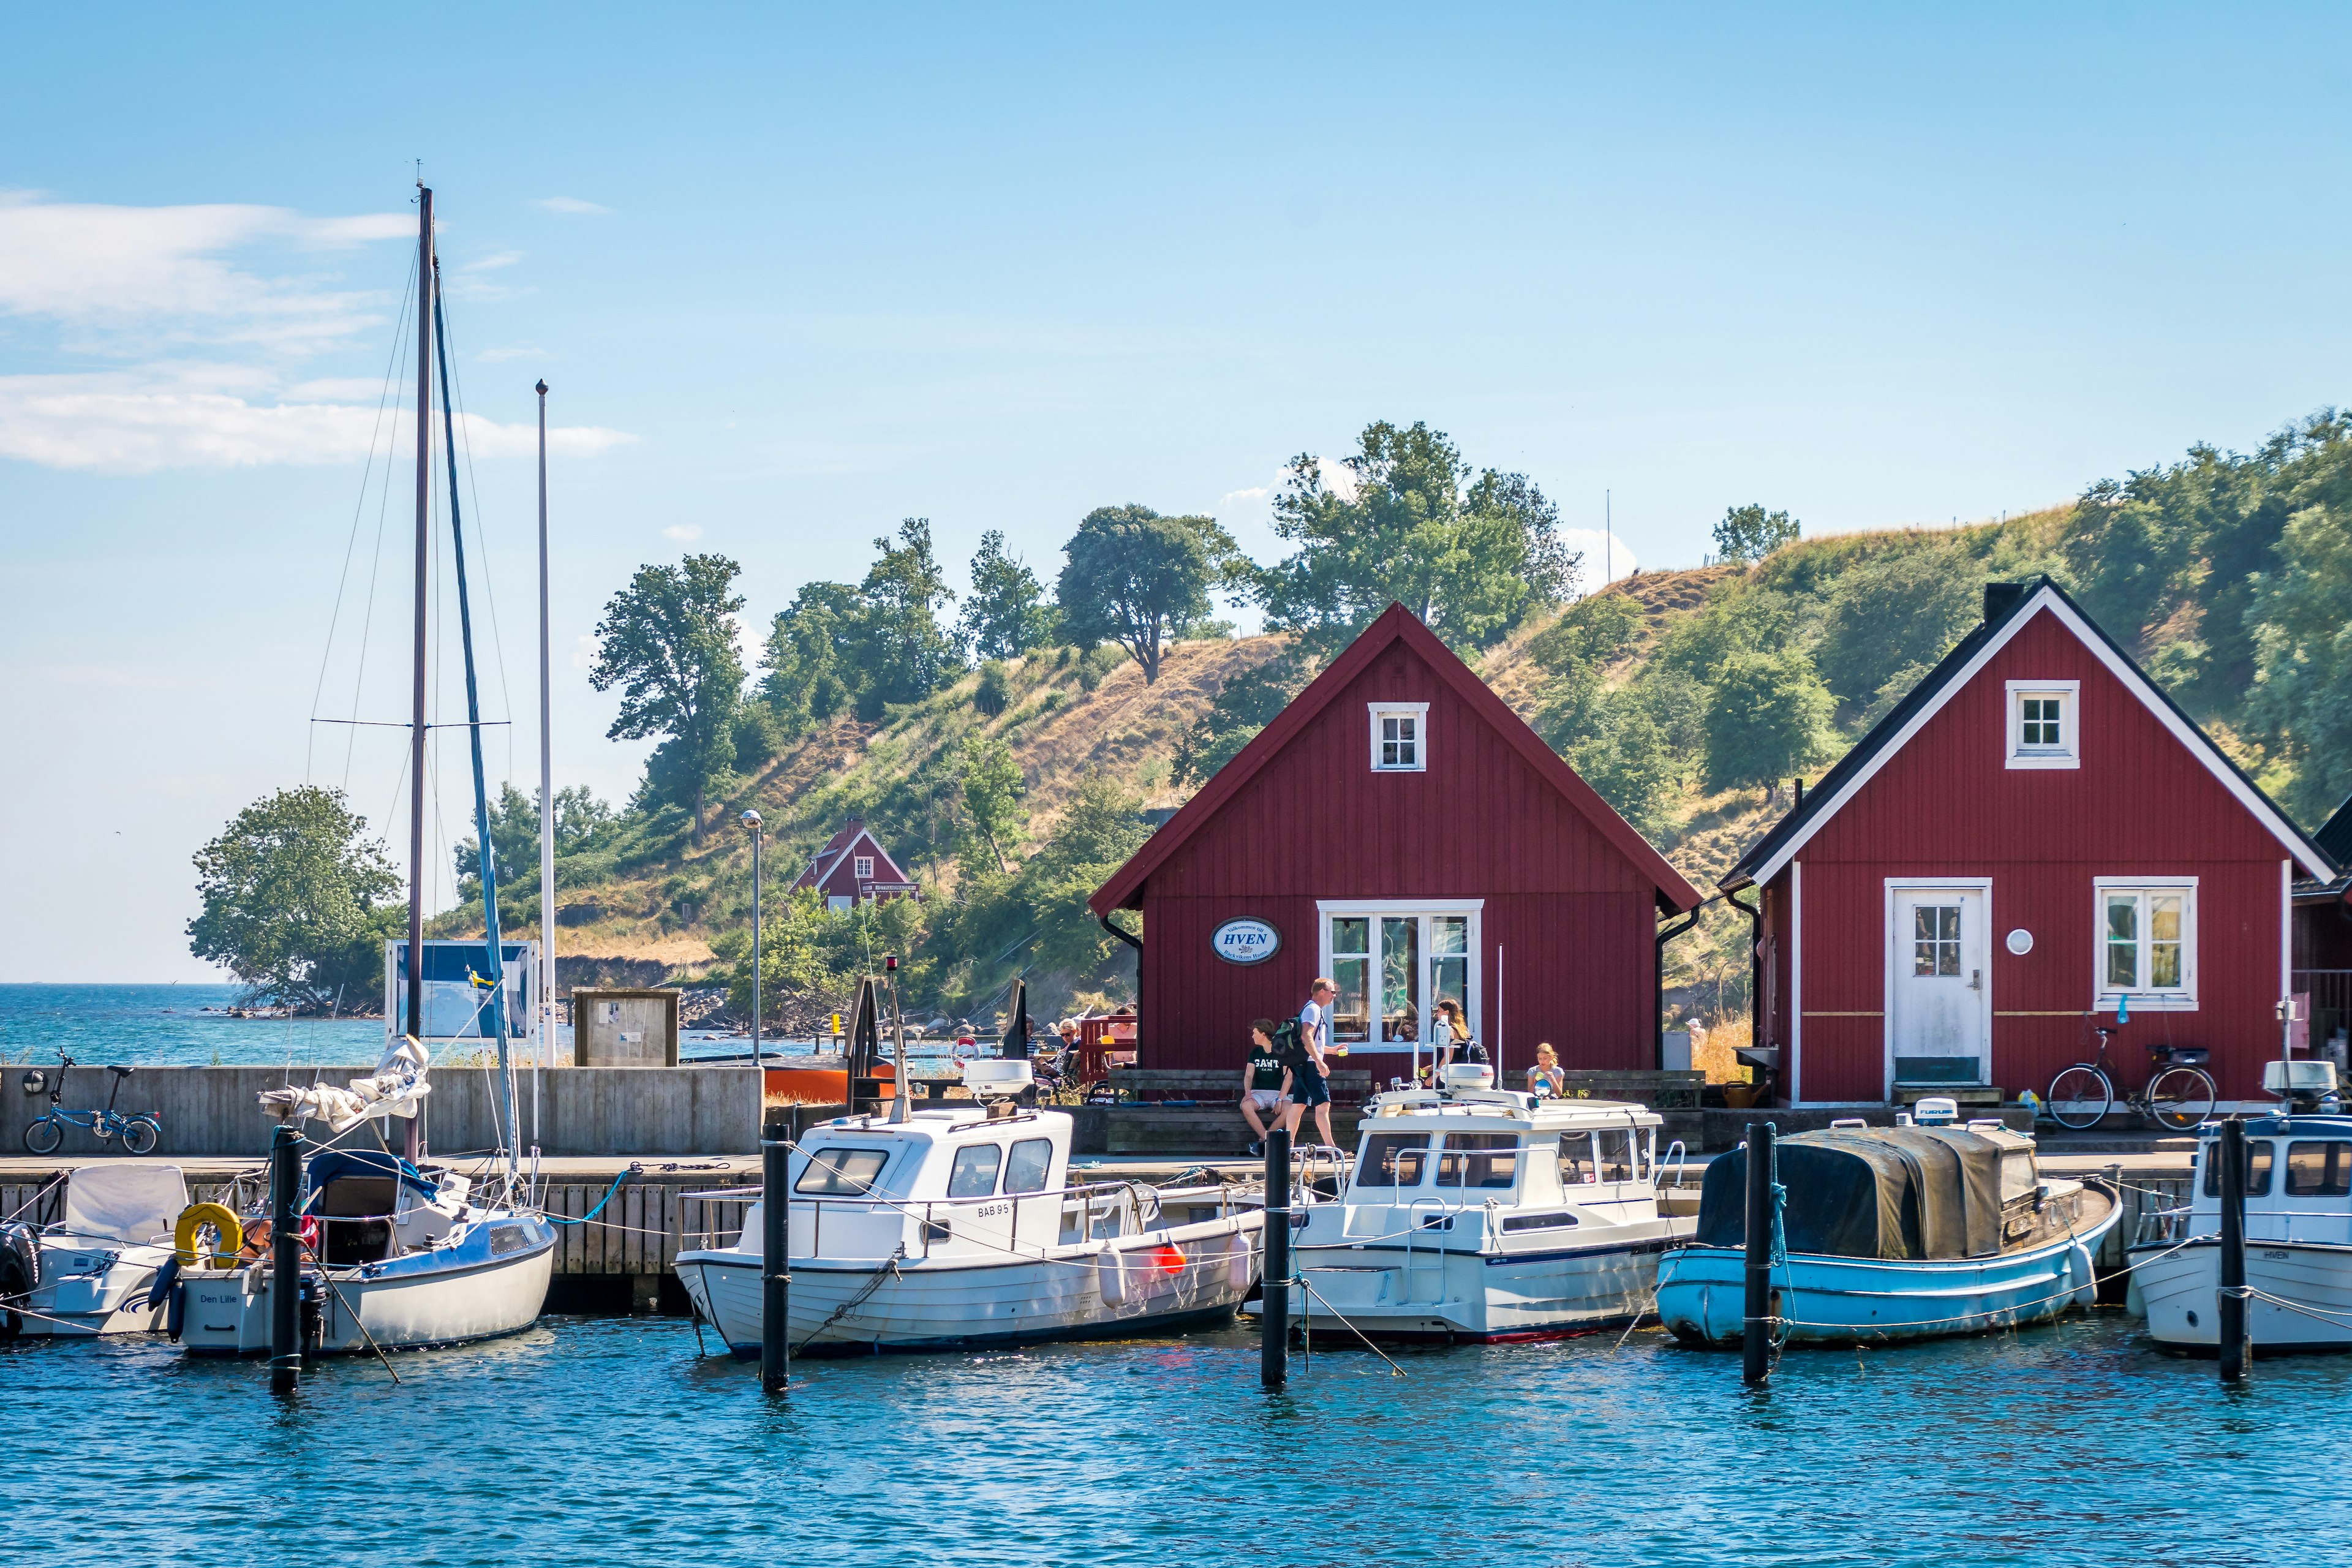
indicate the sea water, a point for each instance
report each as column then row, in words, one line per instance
column 612, row 1441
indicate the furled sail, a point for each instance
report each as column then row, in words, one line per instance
column 392, row 1090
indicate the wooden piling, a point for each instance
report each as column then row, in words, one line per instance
column 1756, row 1325
column 1274, row 1320
column 286, row 1259
column 775, row 1278
column 2230, row 1306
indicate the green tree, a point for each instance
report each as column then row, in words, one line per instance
column 1100, row 827
column 1242, row 706
column 1135, row 578
column 2303, row 689
column 1005, row 614
column 1766, row 716
column 1626, row 759
column 805, row 677
column 514, row 834
column 897, row 645
column 993, row 787
column 1470, row 557
column 1750, row 534
column 668, row 640
column 1898, row 609
column 292, row 893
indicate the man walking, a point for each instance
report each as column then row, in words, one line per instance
column 1310, row 1071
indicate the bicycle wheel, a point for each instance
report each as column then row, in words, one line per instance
column 2180, row 1098
column 43, row 1137
column 139, row 1135
column 2080, row 1097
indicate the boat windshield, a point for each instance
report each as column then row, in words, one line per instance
column 1479, row 1160
column 2258, row 1167
column 1393, row 1160
column 1032, row 1161
column 844, row 1173
column 974, row 1174
column 2319, row 1169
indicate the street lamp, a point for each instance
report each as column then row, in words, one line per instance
column 750, row 819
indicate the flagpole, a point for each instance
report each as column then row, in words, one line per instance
column 546, row 801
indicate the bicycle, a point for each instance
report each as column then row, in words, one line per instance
column 2178, row 1097
column 140, row 1133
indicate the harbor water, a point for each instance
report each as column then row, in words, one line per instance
column 609, row 1440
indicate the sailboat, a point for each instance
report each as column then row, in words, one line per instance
column 398, row 1253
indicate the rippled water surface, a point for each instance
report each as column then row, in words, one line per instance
column 607, row 1440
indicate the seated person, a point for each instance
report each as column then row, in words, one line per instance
column 1453, row 1032
column 1546, row 1077
column 1265, row 1080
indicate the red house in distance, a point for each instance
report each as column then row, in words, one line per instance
column 1400, row 828
column 853, row 868
column 2033, row 837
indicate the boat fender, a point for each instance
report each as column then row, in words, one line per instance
column 1111, row 1277
column 1241, row 1261
column 165, row 1278
column 20, row 1260
column 225, row 1227
column 175, row 1310
column 2078, row 1267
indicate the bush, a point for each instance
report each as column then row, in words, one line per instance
column 992, row 693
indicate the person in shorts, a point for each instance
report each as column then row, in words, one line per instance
column 1310, row 1074
column 1265, row 1080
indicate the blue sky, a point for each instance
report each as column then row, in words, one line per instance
column 794, row 275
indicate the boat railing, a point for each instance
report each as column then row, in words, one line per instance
column 1678, row 1157
column 1126, row 1208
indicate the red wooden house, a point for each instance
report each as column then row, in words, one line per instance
column 2323, row 942
column 853, row 868
column 2036, row 839
column 1398, row 828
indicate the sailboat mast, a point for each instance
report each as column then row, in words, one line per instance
column 546, row 798
column 424, row 565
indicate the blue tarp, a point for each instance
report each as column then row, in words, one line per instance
column 335, row 1164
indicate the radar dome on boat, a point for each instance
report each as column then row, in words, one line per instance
column 1468, row 1075
column 996, row 1079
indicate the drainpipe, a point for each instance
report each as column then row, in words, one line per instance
column 1658, row 985
column 1755, row 962
column 1136, row 943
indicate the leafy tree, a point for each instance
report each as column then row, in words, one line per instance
column 1245, row 704
column 1470, row 557
column 2303, row 641
column 897, row 645
column 1595, row 630
column 1896, row 610
column 1626, row 759
column 1766, row 716
column 1677, row 704
column 1135, row 577
column 992, row 693
column 292, row 893
column 1005, row 614
column 807, row 679
column 1100, row 827
column 668, row 640
column 514, row 834
column 993, row 787
column 1750, row 534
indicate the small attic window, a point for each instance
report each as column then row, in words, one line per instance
column 1400, row 737
column 862, row 867
column 2044, row 724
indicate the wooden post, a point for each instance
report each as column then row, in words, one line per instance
column 775, row 1262
column 1756, row 1325
column 1274, row 1320
column 2230, row 1306
column 286, row 1256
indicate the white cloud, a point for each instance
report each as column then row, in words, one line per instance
column 573, row 206
column 1259, row 494
column 491, row 263
column 517, row 351
column 686, row 532
column 1604, row 553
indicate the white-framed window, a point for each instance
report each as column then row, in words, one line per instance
column 2145, row 942
column 2044, row 723
column 862, row 867
column 1400, row 737
column 1394, row 960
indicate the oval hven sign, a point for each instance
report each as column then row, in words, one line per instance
column 1245, row 940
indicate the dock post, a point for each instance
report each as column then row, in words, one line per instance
column 775, row 1245
column 1273, row 1318
column 2231, row 1308
column 1756, row 1325
column 286, row 1259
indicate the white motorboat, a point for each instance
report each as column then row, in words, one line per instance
column 1477, row 1214
column 93, row 1269
column 397, row 1257
column 960, row 1227
column 2298, row 1240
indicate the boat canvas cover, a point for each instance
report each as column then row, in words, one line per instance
column 332, row 1164
column 127, row 1205
column 398, row 1084
column 1888, row 1192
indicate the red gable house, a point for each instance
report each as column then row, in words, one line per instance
column 2035, row 837
column 1398, row 828
column 852, row 869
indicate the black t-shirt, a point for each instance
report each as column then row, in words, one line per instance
column 1266, row 1070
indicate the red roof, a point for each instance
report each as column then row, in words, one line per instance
column 1396, row 623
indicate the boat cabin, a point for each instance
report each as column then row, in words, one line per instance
column 2298, row 1183
column 372, row 1205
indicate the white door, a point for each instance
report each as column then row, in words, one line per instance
column 1937, row 1007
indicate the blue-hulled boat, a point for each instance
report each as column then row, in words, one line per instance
column 1893, row 1233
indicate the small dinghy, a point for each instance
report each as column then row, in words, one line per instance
column 960, row 1227
column 93, row 1269
column 1893, row 1233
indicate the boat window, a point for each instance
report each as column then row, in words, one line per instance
column 1479, row 1160
column 1026, row 1170
column 2258, row 1167
column 847, row 1173
column 2319, row 1169
column 974, row 1174
column 1393, row 1160
column 1576, row 1164
column 2018, row 1178
column 1538, row 1222
column 1616, row 1155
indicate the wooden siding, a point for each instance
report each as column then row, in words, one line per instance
column 1946, row 804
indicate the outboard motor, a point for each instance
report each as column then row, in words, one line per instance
column 20, row 1273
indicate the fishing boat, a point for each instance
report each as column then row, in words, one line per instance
column 960, row 1227
column 92, row 1270
column 1892, row 1232
column 2298, row 1235
column 1473, row 1214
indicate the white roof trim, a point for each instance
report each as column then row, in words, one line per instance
column 2199, row 744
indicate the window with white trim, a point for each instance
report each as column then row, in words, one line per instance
column 1400, row 737
column 862, row 867
column 2045, row 725
column 1395, row 961
column 2145, row 947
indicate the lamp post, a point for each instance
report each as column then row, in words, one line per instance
column 752, row 820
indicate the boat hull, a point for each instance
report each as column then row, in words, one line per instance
column 1385, row 1292
column 86, row 1296
column 2177, row 1287
column 851, row 1306
column 1702, row 1292
column 419, row 1301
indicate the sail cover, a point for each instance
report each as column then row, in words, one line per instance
column 392, row 1090
column 1884, row 1192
